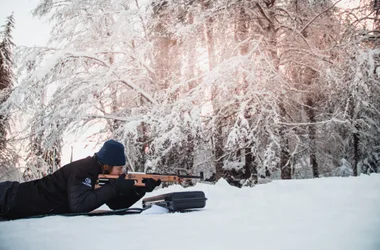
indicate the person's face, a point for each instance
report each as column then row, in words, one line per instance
column 116, row 170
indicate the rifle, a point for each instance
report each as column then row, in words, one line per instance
column 138, row 177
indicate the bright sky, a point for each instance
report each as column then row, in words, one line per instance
column 29, row 30
column 348, row 3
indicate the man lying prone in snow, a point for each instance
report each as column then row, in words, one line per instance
column 72, row 189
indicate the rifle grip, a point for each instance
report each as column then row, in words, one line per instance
column 138, row 181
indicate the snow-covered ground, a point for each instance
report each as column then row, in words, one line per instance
column 323, row 214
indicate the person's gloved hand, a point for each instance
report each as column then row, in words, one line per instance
column 124, row 186
column 151, row 184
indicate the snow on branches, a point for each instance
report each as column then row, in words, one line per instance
column 239, row 89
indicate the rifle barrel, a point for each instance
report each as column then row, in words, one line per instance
column 138, row 177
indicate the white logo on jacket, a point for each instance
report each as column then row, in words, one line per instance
column 87, row 182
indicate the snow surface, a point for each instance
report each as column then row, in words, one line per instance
column 330, row 213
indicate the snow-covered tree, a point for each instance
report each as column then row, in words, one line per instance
column 7, row 78
column 242, row 90
column 6, row 72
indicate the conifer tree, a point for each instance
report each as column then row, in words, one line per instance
column 6, row 73
column 6, row 83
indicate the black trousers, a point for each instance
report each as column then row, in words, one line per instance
column 8, row 191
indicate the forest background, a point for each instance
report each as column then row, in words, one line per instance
column 248, row 91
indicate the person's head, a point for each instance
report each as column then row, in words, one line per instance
column 112, row 157
column 113, row 170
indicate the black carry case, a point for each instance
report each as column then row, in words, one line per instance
column 177, row 201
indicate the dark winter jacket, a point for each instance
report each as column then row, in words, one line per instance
column 68, row 190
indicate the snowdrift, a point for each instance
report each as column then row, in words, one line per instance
column 318, row 214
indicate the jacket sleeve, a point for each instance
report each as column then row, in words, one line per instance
column 83, row 198
column 125, row 200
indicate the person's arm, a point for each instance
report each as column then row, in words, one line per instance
column 132, row 195
column 83, row 198
column 124, row 200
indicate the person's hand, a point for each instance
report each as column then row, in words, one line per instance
column 151, row 184
column 124, row 186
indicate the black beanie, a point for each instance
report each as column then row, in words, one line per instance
column 112, row 153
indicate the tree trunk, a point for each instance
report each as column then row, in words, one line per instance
column 142, row 141
column 53, row 157
column 144, row 146
column 241, row 34
column 191, row 59
column 312, row 139
column 162, row 44
column 218, row 131
column 355, row 138
column 208, row 27
column 218, row 152
column 286, row 171
column 285, row 167
column 250, row 166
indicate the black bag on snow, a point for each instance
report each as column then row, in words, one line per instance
column 177, row 201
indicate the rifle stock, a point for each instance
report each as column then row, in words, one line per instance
column 138, row 177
